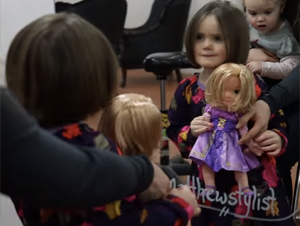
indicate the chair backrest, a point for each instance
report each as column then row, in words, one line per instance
column 107, row 15
column 171, row 18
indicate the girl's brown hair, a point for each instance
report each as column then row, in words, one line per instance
column 62, row 69
column 233, row 26
column 214, row 89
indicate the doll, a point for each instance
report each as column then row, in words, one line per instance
column 134, row 122
column 229, row 92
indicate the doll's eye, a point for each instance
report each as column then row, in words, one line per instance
column 236, row 91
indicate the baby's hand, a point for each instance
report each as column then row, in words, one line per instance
column 201, row 124
column 187, row 195
column 255, row 67
column 270, row 142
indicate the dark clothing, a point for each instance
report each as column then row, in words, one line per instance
column 41, row 168
column 189, row 102
column 126, row 211
column 284, row 93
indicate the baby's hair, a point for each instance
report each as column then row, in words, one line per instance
column 214, row 89
column 62, row 69
column 134, row 122
column 234, row 29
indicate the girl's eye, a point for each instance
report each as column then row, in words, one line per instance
column 236, row 91
column 252, row 14
column 268, row 13
column 199, row 37
column 218, row 38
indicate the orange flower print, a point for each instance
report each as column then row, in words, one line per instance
column 71, row 131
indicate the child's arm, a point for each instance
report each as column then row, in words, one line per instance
column 180, row 115
column 279, row 70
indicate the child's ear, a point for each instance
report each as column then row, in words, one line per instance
column 282, row 5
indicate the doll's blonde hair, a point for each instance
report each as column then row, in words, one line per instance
column 135, row 124
column 214, row 89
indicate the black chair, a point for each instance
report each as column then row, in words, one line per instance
column 162, row 64
column 107, row 15
column 162, row 32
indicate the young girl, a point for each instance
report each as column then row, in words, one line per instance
column 229, row 93
column 273, row 33
column 64, row 72
column 217, row 34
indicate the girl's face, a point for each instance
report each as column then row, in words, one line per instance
column 232, row 87
column 210, row 47
column 264, row 15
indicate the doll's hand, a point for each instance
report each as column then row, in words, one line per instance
column 185, row 193
column 253, row 147
column 201, row 124
column 255, row 67
column 270, row 142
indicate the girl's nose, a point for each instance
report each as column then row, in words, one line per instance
column 207, row 43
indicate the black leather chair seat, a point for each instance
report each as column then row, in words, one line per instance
column 165, row 63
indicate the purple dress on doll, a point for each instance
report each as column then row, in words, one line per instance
column 218, row 148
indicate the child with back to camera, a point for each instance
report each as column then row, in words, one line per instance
column 212, row 40
column 66, row 92
column 269, row 30
column 134, row 122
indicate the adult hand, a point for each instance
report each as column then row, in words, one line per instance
column 201, row 124
column 259, row 54
column 187, row 195
column 159, row 188
column 260, row 114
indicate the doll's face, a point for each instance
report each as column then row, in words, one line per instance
column 232, row 87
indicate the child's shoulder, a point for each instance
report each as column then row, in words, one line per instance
column 190, row 80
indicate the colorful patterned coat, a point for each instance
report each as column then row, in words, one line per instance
column 170, row 211
column 270, row 201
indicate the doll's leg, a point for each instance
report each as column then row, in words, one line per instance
column 209, row 177
column 242, row 180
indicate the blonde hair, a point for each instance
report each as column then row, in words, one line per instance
column 214, row 89
column 134, row 122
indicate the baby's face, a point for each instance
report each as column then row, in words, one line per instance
column 264, row 15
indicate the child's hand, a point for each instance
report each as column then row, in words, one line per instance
column 201, row 124
column 187, row 195
column 270, row 142
column 255, row 67
column 253, row 147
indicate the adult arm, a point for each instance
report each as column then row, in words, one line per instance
column 284, row 93
column 37, row 166
column 279, row 96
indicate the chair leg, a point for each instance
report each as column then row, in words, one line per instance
column 124, row 77
column 178, row 75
